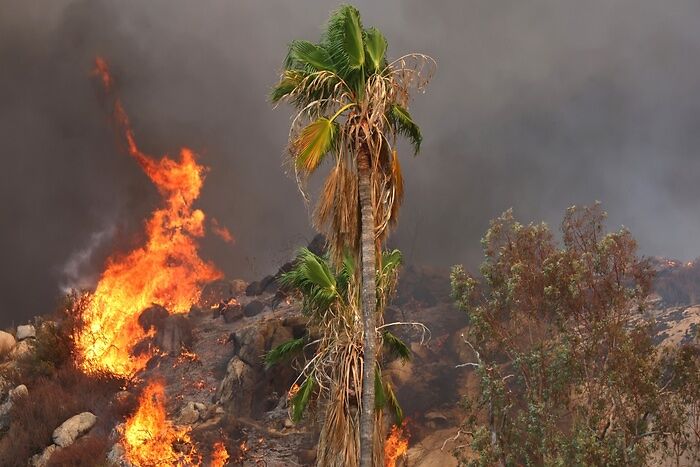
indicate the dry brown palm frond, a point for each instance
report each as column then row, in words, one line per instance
column 412, row 71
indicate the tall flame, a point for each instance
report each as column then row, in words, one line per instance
column 220, row 455
column 396, row 445
column 149, row 438
column 167, row 270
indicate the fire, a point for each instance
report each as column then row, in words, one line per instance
column 396, row 445
column 220, row 455
column 166, row 270
column 221, row 231
column 149, row 438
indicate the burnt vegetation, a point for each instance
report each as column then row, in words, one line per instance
column 58, row 390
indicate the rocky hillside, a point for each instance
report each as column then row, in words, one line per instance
column 219, row 391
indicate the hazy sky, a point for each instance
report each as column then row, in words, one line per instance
column 536, row 105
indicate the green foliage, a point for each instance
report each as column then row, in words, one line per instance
column 284, row 351
column 301, row 398
column 396, row 346
column 405, row 126
column 567, row 376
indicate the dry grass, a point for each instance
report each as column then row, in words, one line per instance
column 51, row 401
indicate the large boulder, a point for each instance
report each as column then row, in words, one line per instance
column 7, row 343
column 172, row 331
column 253, row 308
column 25, row 331
column 73, row 428
column 175, row 334
column 237, row 388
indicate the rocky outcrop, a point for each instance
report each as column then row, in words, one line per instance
column 191, row 413
column 6, row 407
column 236, row 389
column 73, row 428
column 42, row 460
column 7, row 343
column 25, row 331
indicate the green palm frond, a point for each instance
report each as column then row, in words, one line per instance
column 309, row 56
column 313, row 143
column 301, row 398
column 376, row 45
column 393, row 403
column 313, row 278
column 380, row 398
column 284, row 351
column 404, row 125
column 391, row 260
column 343, row 39
column 289, row 82
column 396, row 346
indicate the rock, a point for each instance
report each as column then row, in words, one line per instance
column 7, row 343
column 250, row 344
column 318, row 245
column 307, row 456
column 258, row 287
column 116, row 456
column 253, row 308
column 6, row 407
column 238, row 286
column 216, row 292
column 231, row 312
column 188, row 414
column 280, row 335
column 175, row 334
column 236, row 389
column 172, row 331
column 73, row 428
column 288, row 423
column 22, row 349
column 42, row 460
column 153, row 317
column 18, row 393
column 25, row 331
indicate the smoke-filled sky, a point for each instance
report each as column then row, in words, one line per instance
column 536, row 105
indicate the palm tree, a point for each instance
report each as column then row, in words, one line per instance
column 332, row 373
column 352, row 103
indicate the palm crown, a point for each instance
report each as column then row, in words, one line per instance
column 350, row 99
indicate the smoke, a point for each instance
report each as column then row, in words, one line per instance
column 536, row 105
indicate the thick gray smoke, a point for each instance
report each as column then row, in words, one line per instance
column 536, row 105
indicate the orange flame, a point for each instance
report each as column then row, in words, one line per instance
column 149, row 438
column 221, row 231
column 220, row 455
column 396, row 445
column 167, row 270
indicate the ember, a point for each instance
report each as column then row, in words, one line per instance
column 166, row 270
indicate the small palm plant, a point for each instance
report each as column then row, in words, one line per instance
column 352, row 103
column 333, row 372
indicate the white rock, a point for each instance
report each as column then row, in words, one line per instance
column 24, row 331
column 73, row 428
column 7, row 343
column 41, row 460
column 18, row 392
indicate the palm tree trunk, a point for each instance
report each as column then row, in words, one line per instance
column 369, row 305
